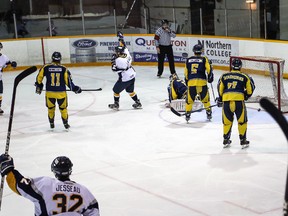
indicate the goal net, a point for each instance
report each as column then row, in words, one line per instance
column 268, row 72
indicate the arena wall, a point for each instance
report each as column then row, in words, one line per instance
column 97, row 49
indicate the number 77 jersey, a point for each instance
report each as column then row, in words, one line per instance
column 53, row 197
column 57, row 77
column 235, row 86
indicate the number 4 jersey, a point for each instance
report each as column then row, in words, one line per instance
column 53, row 197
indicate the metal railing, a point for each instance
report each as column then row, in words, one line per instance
column 224, row 22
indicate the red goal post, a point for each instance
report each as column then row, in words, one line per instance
column 272, row 88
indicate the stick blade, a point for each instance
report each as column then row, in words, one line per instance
column 24, row 74
column 175, row 112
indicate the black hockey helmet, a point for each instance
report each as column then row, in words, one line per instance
column 198, row 49
column 236, row 64
column 56, row 57
column 119, row 49
column 164, row 21
column 61, row 167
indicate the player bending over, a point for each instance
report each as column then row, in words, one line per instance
column 51, row 196
column 234, row 88
column 177, row 88
column 121, row 64
column 57, row 78
column 196, row 79
column 4, row 61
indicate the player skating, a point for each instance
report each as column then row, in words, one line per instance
column 196, row 79
column 122, row 65
column 4, row 61
column 57, row 78
column 51, row 196
column 234, row 88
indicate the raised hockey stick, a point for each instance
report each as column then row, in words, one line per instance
column 182, row 114
column 17, row 80
column 127, row 17
column 280, row 119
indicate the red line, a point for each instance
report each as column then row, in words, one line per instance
column 152, row 193
column 251, row 210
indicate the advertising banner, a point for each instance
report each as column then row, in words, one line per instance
column 145, row 50
column 95, row 49
column 142, row 49
column 218, row 50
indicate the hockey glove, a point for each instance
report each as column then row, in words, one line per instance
column 210, row 77
column 14, row 64
column 246, row 96
column 120, row 35
column 219, row 101
column 39, row 88
column 6, row 163
column 77, row 90
column 113, row 58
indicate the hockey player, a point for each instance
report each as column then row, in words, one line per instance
column 57, row 78
column 234, row 88
column 51, row 196
column 121, row 64
column 177, row 88
column 196, row 79
column 4, row 61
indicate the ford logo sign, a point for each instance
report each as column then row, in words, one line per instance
column 84, row 43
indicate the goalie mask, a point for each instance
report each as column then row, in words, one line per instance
column 236, row 64
column 62, row 167
column 56, row 57
column 173, row 76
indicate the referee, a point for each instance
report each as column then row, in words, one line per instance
column 164, row 47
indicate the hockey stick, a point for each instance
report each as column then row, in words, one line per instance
column 280, row 119
column 213, row 92
column 17, row 80
column 127, row 17
column 98, row 89
column 182, row 114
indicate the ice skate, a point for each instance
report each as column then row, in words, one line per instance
column 226, row 143
column 187, row 117
column 52, row 125
column 114, row 106
column 137, row 105
column 66, row 125
column 1, row 111
column 51, row 122
column 209, row 114
column 244, row 143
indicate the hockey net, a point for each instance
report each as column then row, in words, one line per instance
column 268, row 72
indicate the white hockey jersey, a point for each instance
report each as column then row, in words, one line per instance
column 3, row 62
column 53, row 197
column 123, row 66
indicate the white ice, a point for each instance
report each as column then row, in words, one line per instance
column 145, row 162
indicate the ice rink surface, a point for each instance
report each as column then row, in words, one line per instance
column 146, row 162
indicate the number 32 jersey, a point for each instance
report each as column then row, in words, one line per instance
column 53, row 197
